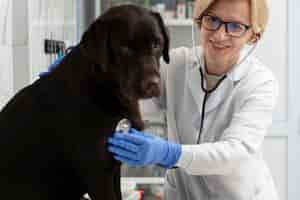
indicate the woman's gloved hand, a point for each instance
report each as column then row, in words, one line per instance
column 51, row 67
column 56, row 63
column 140, row 149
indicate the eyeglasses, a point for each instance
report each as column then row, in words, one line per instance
column 213, row 23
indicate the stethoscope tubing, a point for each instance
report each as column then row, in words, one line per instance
column 206, row 95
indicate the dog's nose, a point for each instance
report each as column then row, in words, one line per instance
column 155, row 80
column 152, row 90
column 152, row 87
column 151, row 81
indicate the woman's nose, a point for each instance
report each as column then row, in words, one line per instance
column 220, row 34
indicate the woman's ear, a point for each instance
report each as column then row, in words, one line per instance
column 255, row 37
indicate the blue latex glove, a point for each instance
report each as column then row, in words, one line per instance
column 52, row 67
column 56, row 62
column 140, row 149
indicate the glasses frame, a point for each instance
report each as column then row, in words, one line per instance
column 199, row 20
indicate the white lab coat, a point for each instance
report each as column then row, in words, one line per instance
column 228, row 162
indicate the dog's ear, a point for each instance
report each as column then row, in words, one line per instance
column 95, row 42
column 165, row 33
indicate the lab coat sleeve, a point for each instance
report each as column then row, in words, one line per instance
column 240, row 140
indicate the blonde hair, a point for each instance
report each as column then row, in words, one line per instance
column 259, row 13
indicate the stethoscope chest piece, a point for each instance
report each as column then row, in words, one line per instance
column 123, row 126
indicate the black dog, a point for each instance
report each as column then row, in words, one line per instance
column 53, row 133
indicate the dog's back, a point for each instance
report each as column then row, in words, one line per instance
column 51, row 142
column 30, row 149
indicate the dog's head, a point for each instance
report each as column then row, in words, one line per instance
column 127, row 43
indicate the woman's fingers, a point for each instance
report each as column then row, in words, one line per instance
column 118, row 151
column 124, row 144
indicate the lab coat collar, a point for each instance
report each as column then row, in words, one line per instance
column 235, row 74
column 217, row 96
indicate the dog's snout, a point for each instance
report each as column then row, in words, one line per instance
column 155, row 80
column 152, row 90
column 152, row 81
column 151, row 86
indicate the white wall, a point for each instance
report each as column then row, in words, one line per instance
column 275, row 154
column 48, row 19
column 14, row 69
column 294, row 99
column 24, row 24
column 5, row 73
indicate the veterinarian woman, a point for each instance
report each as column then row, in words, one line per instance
column 219, row 101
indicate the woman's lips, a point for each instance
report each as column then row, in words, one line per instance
column 219, row 46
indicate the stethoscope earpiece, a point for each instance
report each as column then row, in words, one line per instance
column 254, row 39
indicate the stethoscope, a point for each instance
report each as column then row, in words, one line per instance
column 206, row 95
column 123, row 126
column 206, row 91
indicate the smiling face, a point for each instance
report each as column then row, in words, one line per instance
column 221, row 51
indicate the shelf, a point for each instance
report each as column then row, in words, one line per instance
column 143, row 180
column 45, row 23
column 178, row 22
column 169, row 22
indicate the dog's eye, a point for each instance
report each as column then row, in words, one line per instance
column 125, row 49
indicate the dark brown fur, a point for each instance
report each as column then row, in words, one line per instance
column 54, row 131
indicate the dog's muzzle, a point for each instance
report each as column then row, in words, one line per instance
column 151, row 87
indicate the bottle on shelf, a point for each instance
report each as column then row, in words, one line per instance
column 181, row 9
column 190, row 9
column 147, row 3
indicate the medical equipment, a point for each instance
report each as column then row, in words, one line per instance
column 123, row 126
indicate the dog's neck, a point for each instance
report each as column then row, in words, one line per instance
column 101, row 90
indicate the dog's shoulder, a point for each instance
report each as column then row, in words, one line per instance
column 20, row 102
